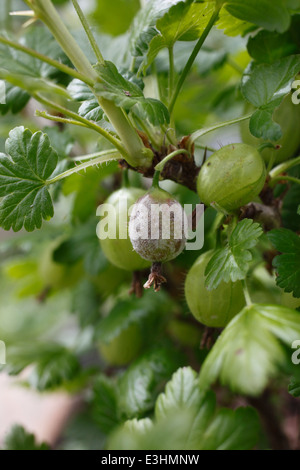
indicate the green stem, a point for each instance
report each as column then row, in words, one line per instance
column 271, row 162
column 206, row 130
column 83, row 166
column 171, row 72
column 147, row 131
column 231, row 226
column 246, row 293
column 215, row 229
column 86, row 122
column 46, row 12
column 283, row 167
column 125, row 179
column 155, row 181
column 89, row 33
column 137, row 154
column 132, row 65
column 91, row 156
column 266, row 145
column 284, row 178
column 193, row 56
column 50, row 117
column 160, row 166
column 54, row 63
column 205, row 147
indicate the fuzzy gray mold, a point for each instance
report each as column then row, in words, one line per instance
column 157, row 226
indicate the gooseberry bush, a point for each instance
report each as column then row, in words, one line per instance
column 158, row 101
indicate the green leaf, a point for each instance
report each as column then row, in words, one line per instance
column 265, row 85
column 287, row 265
column 54, row 371
column 232, row 26
column 90, row 108
column 143, row 435
column 29, row 162
column 124, row 314
column 84, row 244
column 16, row 99
column 232, row 261
column 86, row 201
column 105, row 404
column 17, row 62
column 294, row 387
column 271, row 15
column 183, row 22
column 61, row 141
column 86, row 303
column 19, row 439
column 268, row 47
column 232, row 430
column 183, row 393
column 249, row 351
column 143, row 27
column 54, row 365
column 293, row 4
column 128, row 95
column 262, row 125
column 139, row 385
column 117, row 18
column 139, row 426
column 208, row 429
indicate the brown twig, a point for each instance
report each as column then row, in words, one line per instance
column 136, row 285
column 182, row 168
column 268, row 216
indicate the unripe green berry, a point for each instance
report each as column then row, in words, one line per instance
column 119, row 251
column 122, row 349
column 287, row 115
column 232, row 177
column 213, row 308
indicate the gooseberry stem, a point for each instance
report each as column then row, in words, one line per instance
column 160, row 166
column 193, row 56
column 83, row 166
column 88, row 32
column 137, row 154
column 266, row 145
column 43, row 58
column 89, row 124
column 246, row 293
column 283, row 167
column 206, row 130
column 155, row 181
column 292, row 179
column 125, row 178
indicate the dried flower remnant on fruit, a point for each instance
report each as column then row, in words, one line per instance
column 156, row 279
